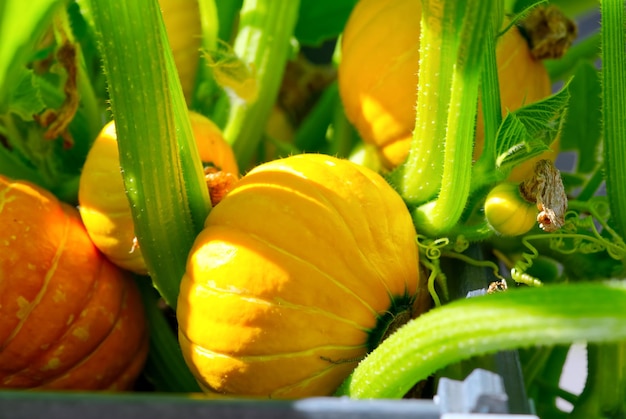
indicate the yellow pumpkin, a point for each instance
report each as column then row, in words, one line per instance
column 103, row 203
column 296, row 277
column 378, row 77
column 69, row 318
column 507, row 212
column 184, row 31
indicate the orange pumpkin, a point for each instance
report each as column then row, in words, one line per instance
column 299, row 272
column 102, row 199
column 69, row 319
column 378, row 77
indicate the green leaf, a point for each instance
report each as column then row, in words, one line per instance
column 530, row 130
column 549, row 315
column 26, row 99
column 20, row 29
column 582, row 129
column 320, row 20
column 587, row 49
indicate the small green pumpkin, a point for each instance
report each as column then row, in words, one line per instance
column 507, row 212
column 299, row 272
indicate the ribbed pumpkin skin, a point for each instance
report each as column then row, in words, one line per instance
column 289, row 276
column 69, row 319
column 378, row 76
column 104, row 206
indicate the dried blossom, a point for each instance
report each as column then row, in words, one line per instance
column 219, row 183
column 546, row 189
column 549, row 32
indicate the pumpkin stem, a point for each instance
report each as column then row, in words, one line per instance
column 391, row 320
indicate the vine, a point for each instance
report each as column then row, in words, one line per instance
column 579, row 234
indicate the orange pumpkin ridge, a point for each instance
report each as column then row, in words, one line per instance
column 70, row 318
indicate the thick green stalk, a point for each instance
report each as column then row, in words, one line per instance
column 483, row 169
column 227, row 11
column 311, row 134
column 550, row 315
column 604, row 395
column 614, row 108
column 165, row 367
column 159, row 158
column 210, row 23
column 206, row 89
column 263, row 42
column 419, row 178
column 441, row 215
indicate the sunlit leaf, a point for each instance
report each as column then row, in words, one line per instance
column 232, row 73
column 530, row 130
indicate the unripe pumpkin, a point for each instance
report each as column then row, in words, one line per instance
column 295, row 277
column 69, row 318
column 507, row 212
column 102, row 199
column 378, row 76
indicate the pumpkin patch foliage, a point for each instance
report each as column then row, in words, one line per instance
column 283, row 199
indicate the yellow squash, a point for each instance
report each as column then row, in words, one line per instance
column 184, row 31
column 296, row 276
column 378, row 77
column 507, row 212
column 103, row 205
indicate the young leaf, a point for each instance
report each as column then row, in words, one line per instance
column 530, row 130
column 20, row 28
column 26, row 99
